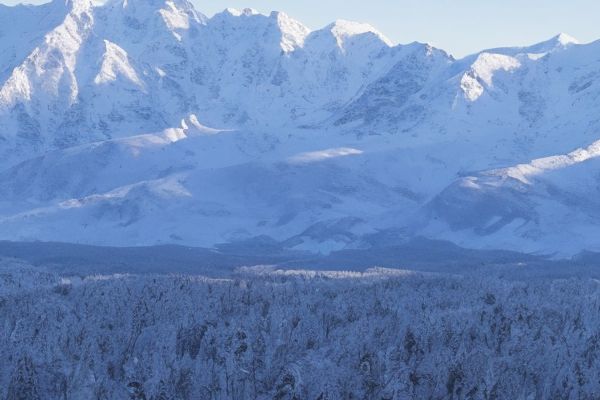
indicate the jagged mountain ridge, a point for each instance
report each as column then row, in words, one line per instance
column 161, row 61
column 325, row 139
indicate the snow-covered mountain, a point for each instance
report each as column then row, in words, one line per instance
column 143, row 122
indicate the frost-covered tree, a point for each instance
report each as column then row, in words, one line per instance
column 297, row 335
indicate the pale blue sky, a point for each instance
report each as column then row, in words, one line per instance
column 457, row 26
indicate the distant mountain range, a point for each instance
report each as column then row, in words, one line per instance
column 142, row 122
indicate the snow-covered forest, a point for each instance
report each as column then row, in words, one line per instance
column 268, row 334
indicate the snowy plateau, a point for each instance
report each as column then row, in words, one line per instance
column 240, row 207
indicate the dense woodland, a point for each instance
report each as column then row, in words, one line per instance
column 275, row 335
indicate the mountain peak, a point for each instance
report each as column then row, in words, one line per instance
column 293, row 32
column 344, row 28
column 147, row 4
column 238, row 13
column 564, row 39
column 344, row 32
column 558, row 42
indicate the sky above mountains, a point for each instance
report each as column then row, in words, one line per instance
column 460, row 27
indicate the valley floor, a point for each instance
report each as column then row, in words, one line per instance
column 264, row 333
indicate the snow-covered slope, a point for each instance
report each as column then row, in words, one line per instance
column 143, row 122
column 549, row 204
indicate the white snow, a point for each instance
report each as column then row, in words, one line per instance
column 147, row 114
column 482, row 72
column 565, row 39
column 523, row 172
column 115, row 63
column 343, row 30
column 316, row 156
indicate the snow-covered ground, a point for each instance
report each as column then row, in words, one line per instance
column 264, row 333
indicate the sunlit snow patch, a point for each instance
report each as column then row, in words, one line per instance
column 482, row 73
column 190, row 126
column 321, row 155
column 523, row 172
column 115, row 64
